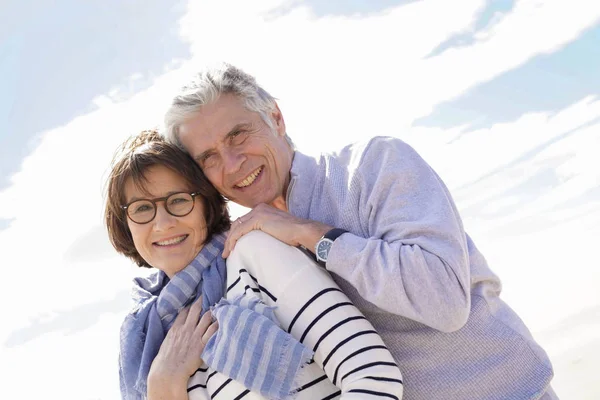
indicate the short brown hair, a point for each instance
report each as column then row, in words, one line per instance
column 132, row 160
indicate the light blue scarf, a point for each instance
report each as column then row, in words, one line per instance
column 268, row 366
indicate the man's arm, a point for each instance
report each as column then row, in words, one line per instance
column 279, row 224
column 413, row 260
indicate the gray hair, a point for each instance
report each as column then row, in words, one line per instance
column 206, row 87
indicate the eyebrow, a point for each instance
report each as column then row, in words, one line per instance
column 160, row 197
column 236, row 128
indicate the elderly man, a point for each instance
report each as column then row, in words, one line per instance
column 383, row 223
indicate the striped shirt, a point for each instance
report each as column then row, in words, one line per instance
column 350, row 361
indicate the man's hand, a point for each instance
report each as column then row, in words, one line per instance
column 279, row 224
column 180, row 353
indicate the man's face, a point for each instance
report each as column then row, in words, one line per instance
column 246, row 160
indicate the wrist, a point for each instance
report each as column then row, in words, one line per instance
column 166, row 386
column 325, row 244
column 312, row 233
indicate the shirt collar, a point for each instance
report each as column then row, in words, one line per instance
column 303, row 178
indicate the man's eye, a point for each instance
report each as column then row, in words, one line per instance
column 207, row 159
column 238, row 138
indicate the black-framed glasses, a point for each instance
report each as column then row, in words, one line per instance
column 144, row 210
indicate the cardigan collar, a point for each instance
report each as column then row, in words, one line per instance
column 304, row 177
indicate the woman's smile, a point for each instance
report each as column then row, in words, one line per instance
column 171, row 242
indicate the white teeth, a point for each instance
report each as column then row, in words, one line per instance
column 249, row 179
column 171, row 241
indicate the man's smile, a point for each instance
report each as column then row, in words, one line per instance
column 249, row 180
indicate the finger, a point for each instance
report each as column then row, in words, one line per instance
column 194, row 312
column 243, row 218
column 249, row 223
column 232, row 232
column 212, row 329
column 204, row 323
column 182, row 316
column 233, row 237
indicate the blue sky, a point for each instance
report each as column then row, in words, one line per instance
column 548, row 82
column 501, row 97
column 52, row 68
column 57, row 56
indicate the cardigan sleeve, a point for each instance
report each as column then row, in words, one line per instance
column 311, row 307
column 412, row 257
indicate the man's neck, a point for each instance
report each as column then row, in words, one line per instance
column 280, row 203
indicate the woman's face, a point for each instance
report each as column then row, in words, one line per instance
column 167, row 242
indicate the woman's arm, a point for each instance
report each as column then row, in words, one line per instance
column 180, row 354
column 312, row 308
column 161, row 387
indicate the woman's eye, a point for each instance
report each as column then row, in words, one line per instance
column 142, row 208
column 179, row 200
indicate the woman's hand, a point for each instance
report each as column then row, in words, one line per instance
column 179, row 354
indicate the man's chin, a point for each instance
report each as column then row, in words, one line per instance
column 240, row 202
column 244, row 201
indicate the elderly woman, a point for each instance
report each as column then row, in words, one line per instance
column 279, row 326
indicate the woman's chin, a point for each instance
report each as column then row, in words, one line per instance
column 173, row 267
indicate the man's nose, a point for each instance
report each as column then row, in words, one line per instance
column 232, row 161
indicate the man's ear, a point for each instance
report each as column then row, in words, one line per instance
column 277, row 118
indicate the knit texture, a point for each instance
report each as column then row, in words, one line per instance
column 408, row 265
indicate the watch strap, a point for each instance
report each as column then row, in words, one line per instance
column 331, row 235
column 334, row 234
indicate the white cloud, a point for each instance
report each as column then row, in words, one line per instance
column 528, row 193
column 531, row 28
column 339, row 79
column 350, row 76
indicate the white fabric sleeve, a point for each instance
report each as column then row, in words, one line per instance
column 311, row 307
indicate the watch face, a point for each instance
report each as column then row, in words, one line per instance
column 323, row 249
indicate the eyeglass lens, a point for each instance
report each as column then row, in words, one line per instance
column 144, row 211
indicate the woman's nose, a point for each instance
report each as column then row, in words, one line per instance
column 163, row 220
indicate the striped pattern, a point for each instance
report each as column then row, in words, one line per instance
column 253, row 350
column 183, row 287
column 308, row 305
column 249, row 347
column 158, row 300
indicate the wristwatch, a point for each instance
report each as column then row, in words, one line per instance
column 324, row 244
